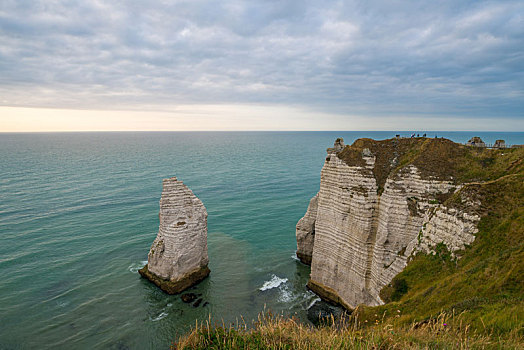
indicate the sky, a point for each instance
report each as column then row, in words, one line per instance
column 261, row 65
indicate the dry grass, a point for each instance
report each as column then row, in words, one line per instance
column 446, row 331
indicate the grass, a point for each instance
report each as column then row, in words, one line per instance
column 446, row 331
column 439, row 158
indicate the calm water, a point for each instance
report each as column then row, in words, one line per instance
column 79, row 211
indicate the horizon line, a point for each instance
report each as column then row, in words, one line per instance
column 247, row 130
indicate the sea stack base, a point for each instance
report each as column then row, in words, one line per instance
column 304, row 258
column 328, row 294
column 175, row 287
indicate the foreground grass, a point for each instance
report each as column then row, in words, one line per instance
column 277, row 332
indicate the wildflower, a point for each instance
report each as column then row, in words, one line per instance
column 398, row 311
column 445, row 324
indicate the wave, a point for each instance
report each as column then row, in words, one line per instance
column 286, row 295
column 62, row 303
column 159, row 317
column 136, row 266
column 302, row 299
column 274, row 282
column 313, row 303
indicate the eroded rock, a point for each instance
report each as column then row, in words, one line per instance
column 178, row 257
column 305, row 232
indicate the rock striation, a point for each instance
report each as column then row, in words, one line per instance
column 178, row 257
column 380, row 202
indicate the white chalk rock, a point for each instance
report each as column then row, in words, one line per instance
column 178, row 257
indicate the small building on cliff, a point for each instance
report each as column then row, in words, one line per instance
column 500, row 144
column 476, row 142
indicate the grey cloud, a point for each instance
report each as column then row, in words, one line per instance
column 398, row 57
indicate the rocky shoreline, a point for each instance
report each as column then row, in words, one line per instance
column 178, row 286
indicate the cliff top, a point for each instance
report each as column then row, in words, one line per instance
column 434, row 157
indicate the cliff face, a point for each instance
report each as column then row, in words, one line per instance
column 178, row 257
column 306, row 232
column 379, row 203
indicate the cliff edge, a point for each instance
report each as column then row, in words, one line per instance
column 382, row 202
column 178, row 257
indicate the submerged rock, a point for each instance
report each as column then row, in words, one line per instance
column 178, row 257
column 322, row 312
column 188, row 297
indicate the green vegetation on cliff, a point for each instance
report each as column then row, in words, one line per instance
column 442, row 159
column 485, row 285
column 436, row 302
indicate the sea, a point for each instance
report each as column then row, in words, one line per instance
column 79, row 212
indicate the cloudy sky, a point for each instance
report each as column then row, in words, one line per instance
column 261, row 65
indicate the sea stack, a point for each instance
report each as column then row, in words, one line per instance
column 178, row 257
column 306, row 232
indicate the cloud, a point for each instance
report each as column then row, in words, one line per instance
column 343, row 57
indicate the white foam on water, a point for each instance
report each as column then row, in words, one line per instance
column 274, row 282
column 296, row 298
column 136, row 266
column 62, row 303
column 313, row 303
column 286, row 295
column 159, row 317
column 295, row 257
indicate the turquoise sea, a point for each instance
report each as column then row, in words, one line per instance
column 79, row 211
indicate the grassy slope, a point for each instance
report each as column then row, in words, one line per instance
column 486, row 285
column 479, row 298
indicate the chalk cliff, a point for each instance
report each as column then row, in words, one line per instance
column 306, row 232
column 380, row 202
column 178, row 257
